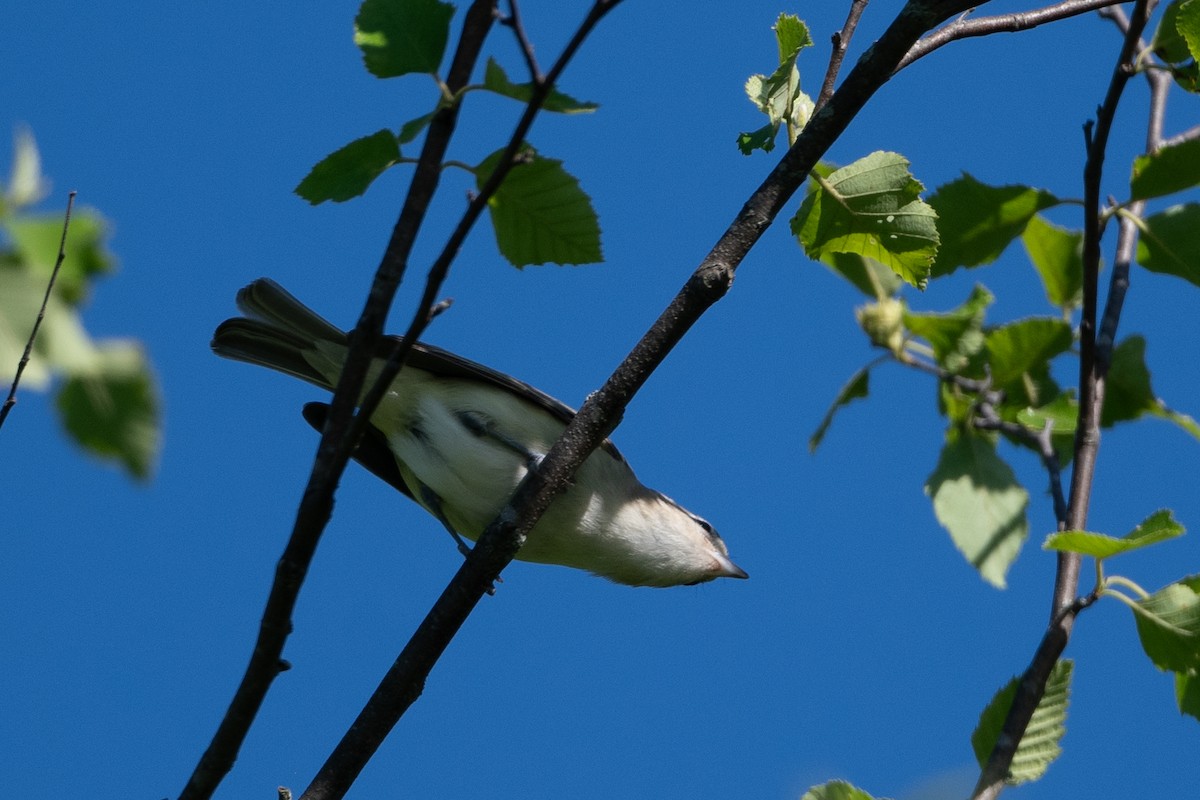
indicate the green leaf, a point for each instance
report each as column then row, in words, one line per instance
column 398, row 37
column 1184, row 421
column 495, row 80
column 761, row 139
column 977, row 221
column 1040, row 744
column 112, row 410
column 955, row 336
column 778, row 95
column 1188, row 25
column 1187, row 693
column 1171, row 169
column 869, row 276
column 836, row 790
column 792, row 36
column 1127, row 394
column 1168, row 623
column 412, row 129
column 871, row 208
column 540, row 214
column 1168, row 43
column 1158, row 527
column 855, row 388
column 1025, row 347
column 1170, row 242
column 35, row 241
column 1057, row 254
column 1062, row 412
column 347, row 172
column 977, row 498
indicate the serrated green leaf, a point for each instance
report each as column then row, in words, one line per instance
column 870, row 277
column 1188, row 25
column 871, row 208
column 398, row 37
column 976, row 497
column 1168, row 624
column 540, row 214
column 35, row 240
column 1171, row 169
column 1158, row 527
column 792, row 35
column 1170, row 242
column 955, row 336
column 857, row 387
column 112, row 410
column 1187, row 693
column 348, row 171
column 495, row 80
column 1040, row 744
column 977, row 222
column 1057, row 255
column 1025, row 347
column 1168, row 43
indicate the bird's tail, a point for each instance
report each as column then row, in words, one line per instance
column 281, row 333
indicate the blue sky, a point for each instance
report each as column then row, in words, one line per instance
column 863, row 647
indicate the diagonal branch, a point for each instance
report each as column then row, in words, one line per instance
column 841, row 42
column 966, row 27
column 504, row 536
column 11, row 400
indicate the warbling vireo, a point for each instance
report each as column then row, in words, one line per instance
column 463, row 436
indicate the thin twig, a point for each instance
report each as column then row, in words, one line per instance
column 336, row 446
column 1185, row 136
column 967, row 27
column 841, row 42
column 1066, row 605
column 37, row 323
column 513, row 20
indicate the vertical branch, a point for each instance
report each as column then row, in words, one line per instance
column 1065, row 605
column 11, row 400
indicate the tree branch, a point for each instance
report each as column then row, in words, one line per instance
column 11, row 400
column 504, row 536
column 334, row 450
column 1065, row 605
column 965, row 27
column 841, row 42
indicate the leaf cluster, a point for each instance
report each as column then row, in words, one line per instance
column 539, row 214
column 108, row 398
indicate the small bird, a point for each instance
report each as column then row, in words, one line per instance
column 457, row 437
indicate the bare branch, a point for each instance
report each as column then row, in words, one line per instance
column 1066, row 605
column 336, row 445
column 841, row 42
column 11, row 400
column 513, row 20
column 966, row 27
